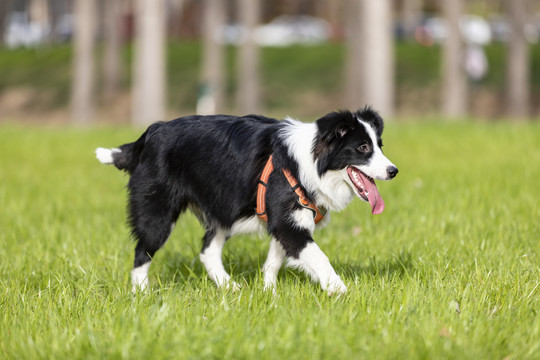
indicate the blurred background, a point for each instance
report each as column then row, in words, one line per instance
column 139, row 61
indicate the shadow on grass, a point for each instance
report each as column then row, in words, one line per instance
column 399, row 265
column 184, row 268
column 181, row 269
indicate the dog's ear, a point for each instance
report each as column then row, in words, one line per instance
column 335, row 125
column 372, row 117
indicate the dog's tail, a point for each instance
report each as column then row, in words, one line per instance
column 126, row 157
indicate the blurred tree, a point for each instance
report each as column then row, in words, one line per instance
column 148, row 101
column 353, row 56
column 174, row 14
column 332, row 11
column 411, row 15
column 211, row 93
column 517, row 60
column 38, row 12
column 3, row 13
column 370, row 57
column 112, row 56
column 82, row 96
column 248, row 63
column 454, row 92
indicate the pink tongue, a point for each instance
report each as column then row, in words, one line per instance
column 375, row 199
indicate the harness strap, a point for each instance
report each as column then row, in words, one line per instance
column 302, row 198
column 295, row 187
column 261, row 189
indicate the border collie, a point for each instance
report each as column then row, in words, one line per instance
column 212, row 165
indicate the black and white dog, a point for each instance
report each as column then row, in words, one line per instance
column 212, row 165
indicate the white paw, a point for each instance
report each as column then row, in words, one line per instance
column 336, row 287
column 270, row 286
column 230, row 285
column 140, row 287
column 234, row 286
column 139, row 278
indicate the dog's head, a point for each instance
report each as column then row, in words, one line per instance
column 348, row 146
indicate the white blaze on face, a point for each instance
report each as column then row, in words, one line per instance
column 377, row 167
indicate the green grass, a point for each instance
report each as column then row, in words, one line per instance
column 461, row 231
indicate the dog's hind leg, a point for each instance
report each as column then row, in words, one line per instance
column 153, row 214
column 149, row 241
column 210, row 256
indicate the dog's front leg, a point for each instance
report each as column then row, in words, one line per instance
column 313, row 261
column 273, row 263
column 295, row 237
column 210, row 256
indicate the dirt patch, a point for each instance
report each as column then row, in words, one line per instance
column 28, row 105
column 15, row 100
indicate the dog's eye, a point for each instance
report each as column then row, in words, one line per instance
column 364, row 148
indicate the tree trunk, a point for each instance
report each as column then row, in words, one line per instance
column 411, row 14
column 454, row 94
column 39, row 13
column 353, row 77
column 83, row 62
column 333, row 11
column 174, row 17
column 370, row 59
column 149, row 64
column 112, row 58
column 4, row 6
column 517, row 61
column 248, row 61
column 211, row 95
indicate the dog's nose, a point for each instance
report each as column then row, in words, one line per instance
column 392, row 172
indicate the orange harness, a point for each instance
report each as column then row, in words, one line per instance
column 302, row 199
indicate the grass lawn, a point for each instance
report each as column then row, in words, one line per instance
column 450, row 270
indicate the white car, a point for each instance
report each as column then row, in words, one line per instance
column 474, row 29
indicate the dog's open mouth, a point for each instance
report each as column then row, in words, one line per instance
column 366, row 189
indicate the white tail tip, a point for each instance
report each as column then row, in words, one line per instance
column 105, row 156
